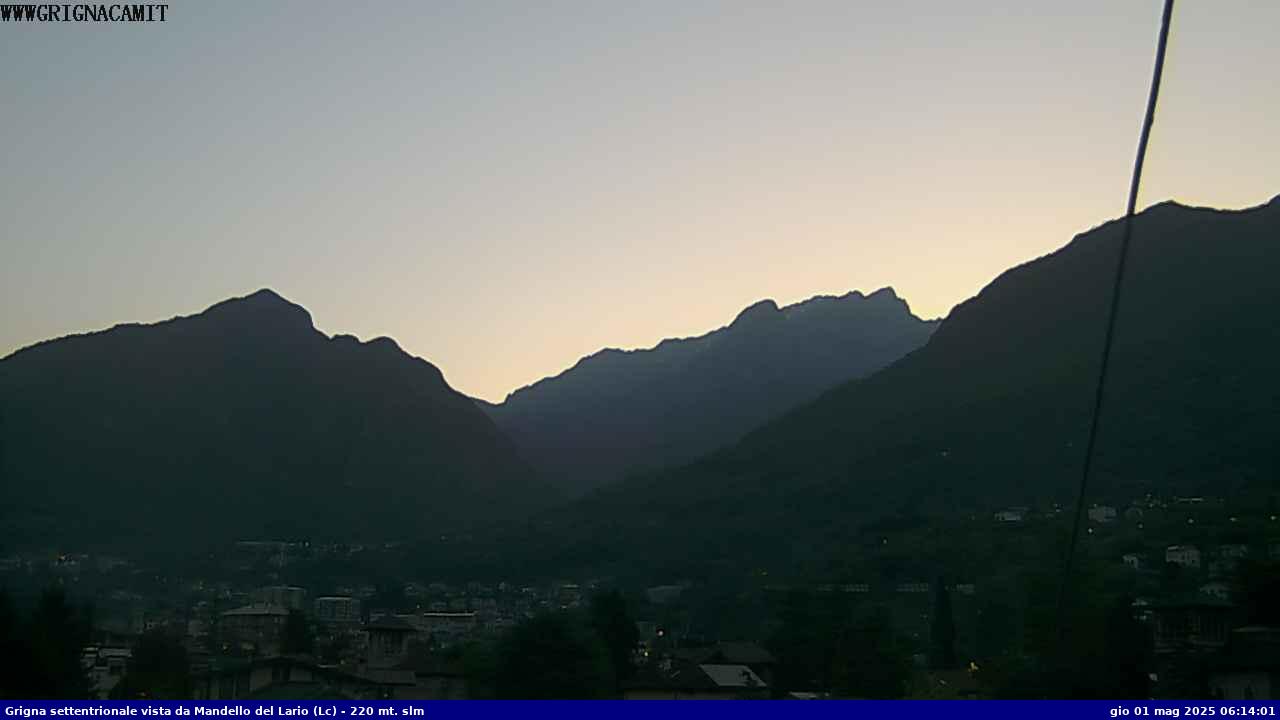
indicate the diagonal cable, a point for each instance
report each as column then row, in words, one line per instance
column 1099, row 390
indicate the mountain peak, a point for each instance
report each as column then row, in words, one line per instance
column 264, row 307
column 757, row 311
column 617, row 413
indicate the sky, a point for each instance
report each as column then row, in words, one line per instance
column 506, row 187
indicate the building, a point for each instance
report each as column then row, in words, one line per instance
column 1011, row 515
column 337, row 609
column 388, row 641
column 1132, row 561
column 447, row 627
column 1185, row 555
column 761, row 661
column 298, row 678
column 1142, row 609
column 1102, row 514
column 253, row 628
column 104, row 666
column 663, row 594
column 285, row 596
column 689, row 681
column 1233, row 551
column 1249, row 666
column 569, row 595
column 1216, row 589
column 283, row 677
column 434, row 677
column 1197, row 623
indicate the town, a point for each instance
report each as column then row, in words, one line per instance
column 276, row 618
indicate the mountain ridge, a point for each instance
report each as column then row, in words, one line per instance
column 606, row 351
column 616, row 411
column 992, row 411
column 247, row 399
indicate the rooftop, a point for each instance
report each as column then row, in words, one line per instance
column 256, row 610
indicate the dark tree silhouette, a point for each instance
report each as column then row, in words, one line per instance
column 942, row 637
column 615, row 627
column 1258, row 591
column 11, row 642
column 825, row 644
column 158, row 670
column 1126, row 658
column 297, row 637
column 552, row 657
column 871, row 660
column 44, row 650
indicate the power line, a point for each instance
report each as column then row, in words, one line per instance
column 1135, row 181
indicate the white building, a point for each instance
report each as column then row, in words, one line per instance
column 1216, row 589
column 1102, row 514
column 1012, row 515
column 1185, row 555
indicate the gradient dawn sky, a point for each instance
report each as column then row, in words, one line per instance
column 504, row 188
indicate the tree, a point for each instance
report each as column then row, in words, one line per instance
column 804, row 642
column 480, row 667
column 158, row 670
column 1126, row 657
column 11, row 640
column 1090, row 648
column 826, row 644
column 552, row 656
column 49, row 647
column 613, row 624
column 296, row 637
column 1258, row 591
column 871, row 661
column 942, row 636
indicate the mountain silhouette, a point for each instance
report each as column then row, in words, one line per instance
column 618, row 412
column 993, row 410
column 244, row 421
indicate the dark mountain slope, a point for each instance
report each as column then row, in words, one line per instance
column 992, row 410
column 243, row 421
column 619, row 412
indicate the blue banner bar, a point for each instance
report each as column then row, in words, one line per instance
column 630, row 710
